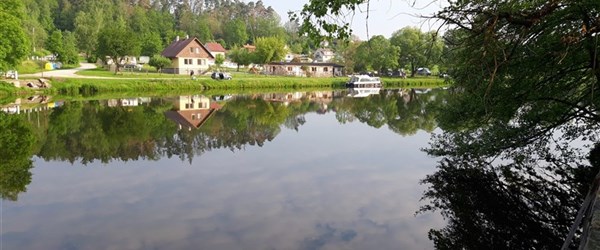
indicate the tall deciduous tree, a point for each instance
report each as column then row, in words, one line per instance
column 116, row 43
column 235, row 33
column 14, row 43
column 417, row 48
column 269, row 49
column 54, row 43
column 241, row 56
column 69, row 54
column 87, row 28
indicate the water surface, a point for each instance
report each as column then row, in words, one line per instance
column 321, row 179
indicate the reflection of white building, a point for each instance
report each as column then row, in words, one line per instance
column 192, row 111
column 12, row 109
column 131, row 102
column 128, row 102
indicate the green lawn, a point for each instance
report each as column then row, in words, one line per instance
column 126, row 73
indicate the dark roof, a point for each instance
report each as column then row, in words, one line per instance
column 215, row 47
column 177, row 46
column 306, row 64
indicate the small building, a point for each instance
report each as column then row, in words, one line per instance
column 250, row 48
column 187, row 56
column 304, row 69
column 215, row 49
column 324, row 55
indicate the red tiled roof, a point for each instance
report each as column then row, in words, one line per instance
column 214, row 47
column 176, row 47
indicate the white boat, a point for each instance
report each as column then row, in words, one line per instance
column 364, row 81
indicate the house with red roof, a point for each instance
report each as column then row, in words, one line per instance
column 187, row 56
column 215, row 49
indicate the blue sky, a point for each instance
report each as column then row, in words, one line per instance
column 386, row 16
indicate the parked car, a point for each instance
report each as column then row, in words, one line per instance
column 221, row 76
column 137, row 67
column 423, row 71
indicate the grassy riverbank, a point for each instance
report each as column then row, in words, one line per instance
column 85, row 86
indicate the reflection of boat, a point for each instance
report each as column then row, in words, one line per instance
column 363, row 81
column 363, row 92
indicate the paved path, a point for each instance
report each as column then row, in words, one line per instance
column 65, row 73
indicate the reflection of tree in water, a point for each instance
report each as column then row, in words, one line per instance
column 403, row 111
column 88, row 131
column 509, row 177
column 17, row 142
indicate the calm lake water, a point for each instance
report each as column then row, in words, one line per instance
column 319, row 170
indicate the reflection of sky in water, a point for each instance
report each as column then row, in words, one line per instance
column 328, row 186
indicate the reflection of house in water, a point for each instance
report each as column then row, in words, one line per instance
column 31, row 104
column 285, row 98
column 320, row 97
column 192, row 111
column 323, row 98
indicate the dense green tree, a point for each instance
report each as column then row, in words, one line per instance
column 116, row 43
column 14, row 43
column 87, row 28
column 269, row 49
column 159, row 62
column 235, row 33
column 69, row 53
column 381, row 54
column 151, row 44
column 241, row 56
column 54, row 43
column 204, row 33
column 417, row 48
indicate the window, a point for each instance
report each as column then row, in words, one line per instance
column 289, row 68
column 200, row 62
column 189, row 105
column 197, row 50
column 313, row 69
column 191, row 50
column 325, row 69
column 188, row 61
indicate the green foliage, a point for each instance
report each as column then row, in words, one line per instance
column 525, row 74
column 55, row 43
column 377, row 54
column 87, row 28
column 17, row 142
column 416, row 48
column 159, row 62
column 151, row 44
column 240, row 56
column 69, row 54
column 116, row 43
column 269, row 49
column 14, row 44
column 316, row 19
column 235, row 33
column 219, row 60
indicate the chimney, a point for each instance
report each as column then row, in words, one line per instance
column 177, row 39
column 187, row 36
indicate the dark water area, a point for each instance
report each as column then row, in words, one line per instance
column 314, row 170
